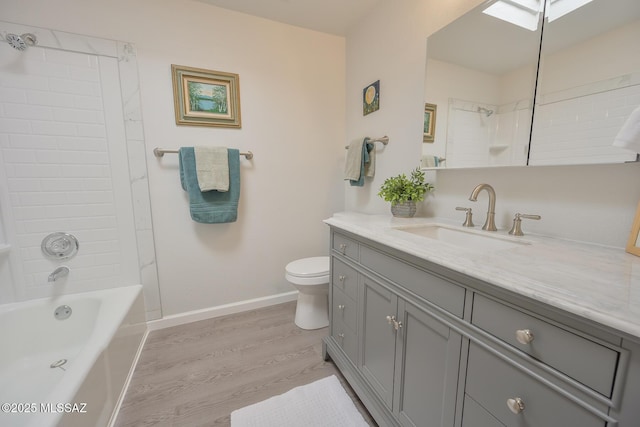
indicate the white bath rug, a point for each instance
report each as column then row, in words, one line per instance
column 323, row 403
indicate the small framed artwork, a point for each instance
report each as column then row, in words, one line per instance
column 633, row 244
column 206, row 97
column 429, row 122
column 371, row 98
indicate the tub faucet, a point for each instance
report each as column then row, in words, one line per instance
column 58, row 272
column 489, row 224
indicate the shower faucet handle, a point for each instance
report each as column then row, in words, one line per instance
column 468, row 220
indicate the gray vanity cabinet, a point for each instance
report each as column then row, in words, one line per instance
column 426, row 346
column 408, row 357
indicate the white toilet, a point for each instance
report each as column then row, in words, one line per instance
column 311, row 277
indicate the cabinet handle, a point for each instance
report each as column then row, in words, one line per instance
column 341, row 336
column 515, row 405
column 392, row 321
column 342, row 277
column 341, row 307
column 343, row 248
column 524, row 336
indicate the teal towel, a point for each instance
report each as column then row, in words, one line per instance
column 366, row 148
column 210, row 207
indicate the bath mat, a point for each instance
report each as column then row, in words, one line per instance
column 323, row 403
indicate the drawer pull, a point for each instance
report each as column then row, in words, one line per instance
column 342, row 277
column 343, row 248
column 341, row 307
column 341, row 336
column 524, row 336
column 515, row 405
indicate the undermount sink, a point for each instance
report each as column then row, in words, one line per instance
column 465, row 239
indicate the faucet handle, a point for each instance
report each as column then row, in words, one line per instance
column 516, row 230
column 468, row 222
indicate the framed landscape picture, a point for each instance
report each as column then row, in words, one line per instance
column 206, row 97
column 429, row 122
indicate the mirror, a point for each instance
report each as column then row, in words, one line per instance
column 588, row 83
column 481, row 74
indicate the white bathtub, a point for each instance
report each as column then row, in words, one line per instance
column 99, row 341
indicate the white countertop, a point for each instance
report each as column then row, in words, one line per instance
column 595, row 282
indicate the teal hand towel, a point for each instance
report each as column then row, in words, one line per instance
column 367, row 147
column 210, row 207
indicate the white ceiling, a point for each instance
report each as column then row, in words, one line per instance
column 327, row 16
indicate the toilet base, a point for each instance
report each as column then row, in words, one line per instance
column 312, row 310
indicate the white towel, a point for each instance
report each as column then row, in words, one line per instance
column 353, row 164
column 212, row 168
column 629, row 135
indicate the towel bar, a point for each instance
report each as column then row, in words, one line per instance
column 383, row 139
column 159, row 152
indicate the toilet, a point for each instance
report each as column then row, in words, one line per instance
column 311, row 277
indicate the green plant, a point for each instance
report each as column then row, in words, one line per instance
column 400, row 189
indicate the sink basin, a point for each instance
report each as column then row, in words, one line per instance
column 464, row 239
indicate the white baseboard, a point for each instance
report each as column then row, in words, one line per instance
column 221, row 310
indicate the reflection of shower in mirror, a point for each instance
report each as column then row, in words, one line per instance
column 486, row 111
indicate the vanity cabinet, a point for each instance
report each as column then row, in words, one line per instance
column 426, row 346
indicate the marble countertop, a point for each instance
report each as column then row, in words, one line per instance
column 595, row 282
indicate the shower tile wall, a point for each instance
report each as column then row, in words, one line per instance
column 65, row 154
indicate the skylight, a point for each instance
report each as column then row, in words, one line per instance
column 524, row 13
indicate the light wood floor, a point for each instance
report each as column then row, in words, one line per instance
column 197, row 374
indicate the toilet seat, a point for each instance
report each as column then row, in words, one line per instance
column 308, row 271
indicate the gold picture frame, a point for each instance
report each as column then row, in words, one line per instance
column 429, row 122
column 206, row 97
column 633, row 244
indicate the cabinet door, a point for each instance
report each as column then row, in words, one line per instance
column 377, row 338
column 427, row 362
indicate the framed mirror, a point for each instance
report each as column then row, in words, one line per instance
column 482, row 69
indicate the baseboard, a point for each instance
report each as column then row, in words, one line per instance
column 221, row 310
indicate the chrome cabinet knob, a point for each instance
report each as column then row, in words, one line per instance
column 343, row 248
column 341, row 307
column 515, row 405
column 341, row 336
column 391, row 319
column 342, row 277
column 524, row 336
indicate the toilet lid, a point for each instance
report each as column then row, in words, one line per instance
column 309, row 267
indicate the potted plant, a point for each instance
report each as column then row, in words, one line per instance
column 403, row 192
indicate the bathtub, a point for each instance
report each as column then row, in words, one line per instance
column 68, row 372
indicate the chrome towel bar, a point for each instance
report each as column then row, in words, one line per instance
column 383, row 139
column 159, row 152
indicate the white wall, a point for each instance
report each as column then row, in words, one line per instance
column 292, row 84
column 589, row 203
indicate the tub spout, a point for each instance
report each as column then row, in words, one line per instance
column 59, row 272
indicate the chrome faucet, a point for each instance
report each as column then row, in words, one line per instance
column 58, row 272
column 489, row 224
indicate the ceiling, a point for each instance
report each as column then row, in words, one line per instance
column 327, row 16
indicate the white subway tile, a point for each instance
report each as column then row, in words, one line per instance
column 23, row 184
column 83, row 143
column 84, row 74
column 53, row 128
column 28, row 112
column 83, row 171
column 18, row 96
column 69, row 86
column 94, row 131
column 76, row 115
column 69, row 58
column 14, row 126
column 23, row 81
column 19, row 156
column 88, row 102
column 33, row 171
column 39, row 97
column 33, row 141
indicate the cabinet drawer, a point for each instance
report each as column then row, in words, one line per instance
column 344, row 309
column 571, row 354
column 346, row 338
column 443, row 293
column 491, row 382
column 344, row 278
column 346, row 246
